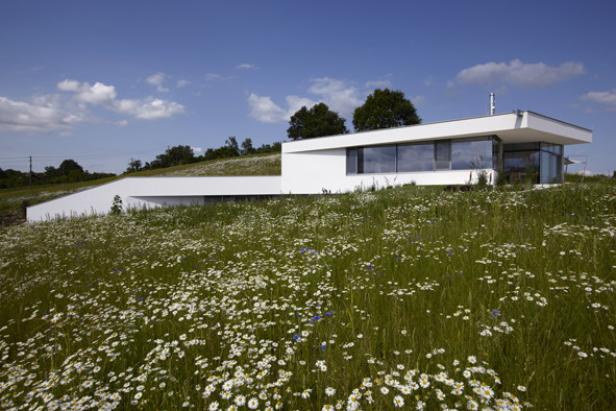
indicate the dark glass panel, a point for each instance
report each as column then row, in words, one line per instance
column 380, row 159
column 471, row 154
column 521, row 166
column 351, row 161
column 442, row 155
column 416, row 157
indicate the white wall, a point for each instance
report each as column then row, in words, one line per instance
column 139, row 192
column 311, row 172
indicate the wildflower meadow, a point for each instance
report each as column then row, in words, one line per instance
column 413, row 298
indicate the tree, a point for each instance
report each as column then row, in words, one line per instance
column 134, row 165
column 384, row 109
column 174, row 156
column 69, row 167
column 232, row 144
column 318, row 121
column 247, row 146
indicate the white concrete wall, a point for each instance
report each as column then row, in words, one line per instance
column 150, row 192
column 311, row 172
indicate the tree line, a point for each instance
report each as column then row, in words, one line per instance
column 182, row 154
column 69, row 171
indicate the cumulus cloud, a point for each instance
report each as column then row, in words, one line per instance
column 605, row 98
column 519, row 73
column 98, row 93
column 263, row 109
column 246, row 66
column 148, row 109
column 338, row 95
column 41, row 114
column 62, row 111
column 182, row 83
column 157, row 80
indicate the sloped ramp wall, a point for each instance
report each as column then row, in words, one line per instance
column 151, row 192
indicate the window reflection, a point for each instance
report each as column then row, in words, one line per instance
column 379, row 159
column 416, row 157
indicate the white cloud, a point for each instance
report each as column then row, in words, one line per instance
column 264, row 109
column 182, row 83
column 41, row 114
column 378, row 84
column 339, row 96
column 519, row 73
column 157, row 80
column 605, row 98
column 196, row 149
column 246, row 66
column 98, row 93
column 149, row 108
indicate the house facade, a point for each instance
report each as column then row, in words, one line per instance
column 522, row 146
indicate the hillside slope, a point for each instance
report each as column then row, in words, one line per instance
column 410, row 296
column 12, row 200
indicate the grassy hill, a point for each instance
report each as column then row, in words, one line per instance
column 11, row 200
column 414, row 296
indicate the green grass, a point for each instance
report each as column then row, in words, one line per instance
column 436, row 296
column 12, row 200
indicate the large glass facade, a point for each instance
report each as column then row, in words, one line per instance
column 533, row 163
column 463, row 154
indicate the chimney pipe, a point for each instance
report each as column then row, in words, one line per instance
column 492, row 104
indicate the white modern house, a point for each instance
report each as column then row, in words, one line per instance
column 520, row 146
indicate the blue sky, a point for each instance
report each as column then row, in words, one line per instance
column 103, row 82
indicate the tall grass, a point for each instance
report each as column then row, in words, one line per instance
column 412, row 297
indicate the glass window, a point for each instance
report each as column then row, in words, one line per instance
column 442, row 155
column 471, row 154
column 351, row 161
column 551, row 168
column 521, row 166
column 416, row 157
column 380, row 159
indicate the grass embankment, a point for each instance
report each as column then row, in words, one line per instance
column 404, row 296
column 12, row 200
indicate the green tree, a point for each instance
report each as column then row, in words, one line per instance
column 318, row 121
column 247, row 147
column 233, row 145
column 174, row 156
column 69, row 167
column 384, row 109
column 133, row 165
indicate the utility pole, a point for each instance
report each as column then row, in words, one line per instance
column 30, row 170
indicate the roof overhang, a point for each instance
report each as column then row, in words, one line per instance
column 516, row 127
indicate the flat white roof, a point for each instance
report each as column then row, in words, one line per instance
column 516, row 127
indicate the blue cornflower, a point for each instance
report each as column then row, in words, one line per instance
column 323, row 346
column 329, row 314
column 296, row 337
column 495, row 312
column 308, row 250
column 315, row 318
